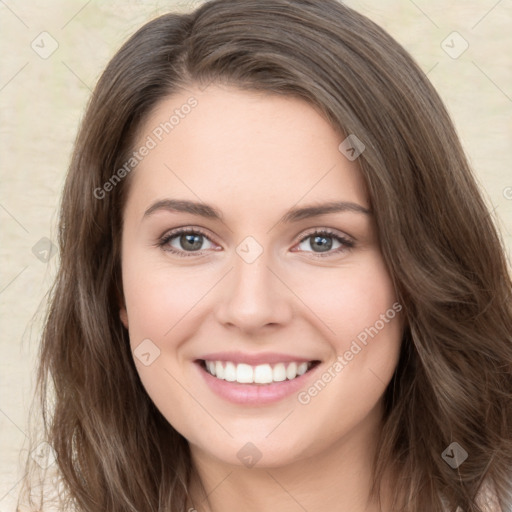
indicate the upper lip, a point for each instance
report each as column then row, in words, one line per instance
column 255, row 359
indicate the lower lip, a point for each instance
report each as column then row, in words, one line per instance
column 255, row 394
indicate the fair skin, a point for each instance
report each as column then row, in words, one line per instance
column 254, row 156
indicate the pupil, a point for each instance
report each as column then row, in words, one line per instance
column 193, row 240
column 325, row 243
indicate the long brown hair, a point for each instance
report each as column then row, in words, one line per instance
column 114, row 450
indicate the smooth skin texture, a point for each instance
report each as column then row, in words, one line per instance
column 253, row 156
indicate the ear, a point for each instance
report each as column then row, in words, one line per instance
column 123, row 313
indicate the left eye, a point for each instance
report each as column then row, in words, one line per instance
column 324, row 242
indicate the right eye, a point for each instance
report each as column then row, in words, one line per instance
column 184, row 240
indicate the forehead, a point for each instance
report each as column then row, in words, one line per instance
column 243, row 151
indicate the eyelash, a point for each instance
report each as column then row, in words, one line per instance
column 346, row 243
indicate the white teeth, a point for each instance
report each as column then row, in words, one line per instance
column 263, row 374
column 302, row 368
column 260, row 374
column 291, row 371
column 279, row 372
column 219, row 370
column 230, row 372
column 244, row 374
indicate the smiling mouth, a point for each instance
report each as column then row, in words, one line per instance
column 256, row 374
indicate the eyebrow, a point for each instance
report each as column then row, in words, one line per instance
column 293, row 215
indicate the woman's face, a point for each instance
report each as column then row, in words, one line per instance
column 229, row 257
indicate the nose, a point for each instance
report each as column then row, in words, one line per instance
column 254, row 297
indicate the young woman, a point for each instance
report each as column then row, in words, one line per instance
column 280, row 288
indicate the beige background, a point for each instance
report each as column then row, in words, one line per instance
column 42, row 101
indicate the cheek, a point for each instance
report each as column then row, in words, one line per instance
column 349, row 299
column 359, row 316
column 161, row 305
column 158, row 298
